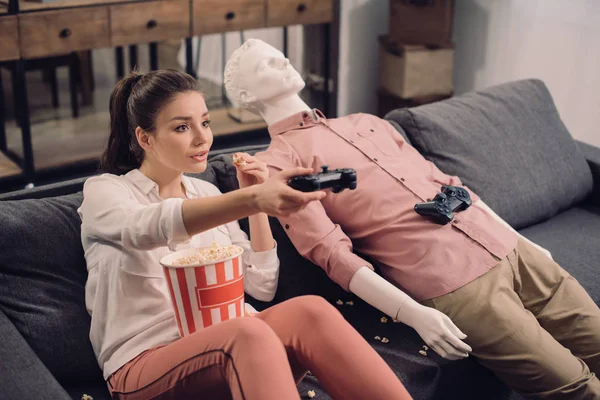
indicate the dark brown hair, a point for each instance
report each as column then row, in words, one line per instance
column 136, row 101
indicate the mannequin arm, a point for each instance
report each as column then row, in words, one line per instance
column 435, row 328
column 479, row 203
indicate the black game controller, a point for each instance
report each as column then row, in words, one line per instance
column 442, row 207
column 336, row 180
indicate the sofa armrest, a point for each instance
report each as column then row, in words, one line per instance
column 22, row 374
column 592, row 155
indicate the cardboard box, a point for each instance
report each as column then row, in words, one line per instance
column 387, row 102
column 426, row 22
column 409, row 71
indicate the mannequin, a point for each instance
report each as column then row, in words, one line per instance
column 263, row 64
column 261, row 79
column 527, row 319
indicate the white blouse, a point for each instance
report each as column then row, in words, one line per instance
column 126, row 229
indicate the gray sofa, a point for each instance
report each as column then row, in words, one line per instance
column 507, row 143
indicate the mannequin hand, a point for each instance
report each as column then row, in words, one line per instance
column 276, row 198
column 436, row 329
column 250, row 171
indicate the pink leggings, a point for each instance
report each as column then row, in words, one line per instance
column 263, row 357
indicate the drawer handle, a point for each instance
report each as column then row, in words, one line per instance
column 65, row 33
column 301, row 7
column 230, row 15
column 152, row 24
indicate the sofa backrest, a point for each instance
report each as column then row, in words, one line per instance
column 42, row 282
column 508, row 144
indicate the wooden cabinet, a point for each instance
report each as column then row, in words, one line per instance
column 149, row 22
column 214, row 16
column 63, row 31
column 9, row 38
column 295, row 12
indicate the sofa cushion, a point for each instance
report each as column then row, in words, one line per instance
column 508, row 144
column 19, row 365
column 573, row 239
column 43, row 275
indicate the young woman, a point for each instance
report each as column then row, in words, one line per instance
column 142, row 208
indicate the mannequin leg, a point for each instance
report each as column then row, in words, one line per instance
column 559, row 303
column 508, row 339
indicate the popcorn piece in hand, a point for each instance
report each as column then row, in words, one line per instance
column 425, row 348
column 385, row 340
column 86, row 397
column 311, row 394
column 339, row 302
column 423, row 353
column 377, row 338
column 383, row 320
column 237, row 160
column 350, row 303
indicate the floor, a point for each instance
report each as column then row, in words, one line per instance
column 59, row 139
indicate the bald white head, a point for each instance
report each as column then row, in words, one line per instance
column 257, row 73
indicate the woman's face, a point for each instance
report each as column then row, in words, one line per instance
column 182, row 135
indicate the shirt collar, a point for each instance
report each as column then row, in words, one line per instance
column 189, row 186
column 140, row 180
column 301, row 120
column 146, row 184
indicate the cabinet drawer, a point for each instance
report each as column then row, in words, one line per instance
column 9, row 38
column 213, row 16
column 58, row 32
column 295, row 12
column 149, row 22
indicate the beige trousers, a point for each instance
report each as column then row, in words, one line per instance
column 531, row 323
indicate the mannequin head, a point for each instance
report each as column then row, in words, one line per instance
column 257, row 74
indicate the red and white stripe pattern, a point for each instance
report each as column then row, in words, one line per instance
column 207, row 295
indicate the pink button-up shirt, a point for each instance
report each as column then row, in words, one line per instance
column 421, row 257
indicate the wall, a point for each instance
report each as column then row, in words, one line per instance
column 556, row 41
column 210, row 61
column 361, row 22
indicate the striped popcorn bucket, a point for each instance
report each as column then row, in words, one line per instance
column 204, row 295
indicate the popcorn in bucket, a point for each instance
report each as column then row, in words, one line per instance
column 206, row 285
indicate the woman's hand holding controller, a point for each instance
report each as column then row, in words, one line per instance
column 276, row 198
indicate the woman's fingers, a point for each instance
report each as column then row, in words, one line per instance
column 295, row 197
column 290, row 173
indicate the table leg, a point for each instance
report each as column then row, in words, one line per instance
column 327, row 51
column 2, row 121
column 189, row 57
column 74, row 78
column 285, row 41
column 153, row 47
column 22, row 104
column 133, row 57
column 120, row 61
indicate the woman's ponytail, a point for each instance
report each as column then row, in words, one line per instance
column 123, row 153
